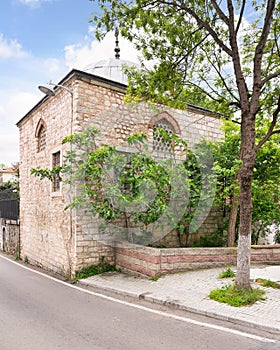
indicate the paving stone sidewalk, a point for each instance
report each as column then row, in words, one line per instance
column 190, row 290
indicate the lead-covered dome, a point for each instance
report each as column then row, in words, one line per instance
column 111, row 69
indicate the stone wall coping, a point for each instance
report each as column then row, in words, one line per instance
column 272, row 246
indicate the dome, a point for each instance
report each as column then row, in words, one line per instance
column 110, row 69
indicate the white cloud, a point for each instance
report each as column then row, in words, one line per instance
column 82, row 54
column 9, row 148
column 14, row 105
column 11, row 48
column 34, row 3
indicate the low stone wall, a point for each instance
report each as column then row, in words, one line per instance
column 149, row 261
column 9, row 237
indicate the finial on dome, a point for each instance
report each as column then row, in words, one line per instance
column 117, row 49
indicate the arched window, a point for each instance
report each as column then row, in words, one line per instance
column 160, row 143
column 42, row 139
column 41, row 135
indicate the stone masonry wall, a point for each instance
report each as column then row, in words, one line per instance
column 45, row 226
column 149, row 261
column 101, row 106
column 9, row 237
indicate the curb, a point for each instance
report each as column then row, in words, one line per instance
column 174, row 304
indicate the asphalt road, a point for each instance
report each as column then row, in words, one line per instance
column 40, row 313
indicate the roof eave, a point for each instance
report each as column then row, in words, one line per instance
column 70, row 75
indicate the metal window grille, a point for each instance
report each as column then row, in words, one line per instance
column 56, row 177
column 42, row 139
column 160, row 144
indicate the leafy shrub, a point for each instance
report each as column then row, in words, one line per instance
column 228, row 273
column 214, row 239
column 101, row 267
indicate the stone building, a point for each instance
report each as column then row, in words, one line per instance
column 65, row 240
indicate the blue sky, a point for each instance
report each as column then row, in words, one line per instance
column 41, row 40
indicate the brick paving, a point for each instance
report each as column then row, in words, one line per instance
column 190, row 290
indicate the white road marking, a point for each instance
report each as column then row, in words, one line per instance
column 144, row 308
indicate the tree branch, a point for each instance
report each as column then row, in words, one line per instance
column 191, row 50
column 239, row 76
column 240, row 16
column 222, row 79
column 200, row 21
column 204, row 91
column 259, row 54
column 271, row 127
column 221, row 14
column 269, row 77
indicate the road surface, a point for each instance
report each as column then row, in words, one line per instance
column 40, row 313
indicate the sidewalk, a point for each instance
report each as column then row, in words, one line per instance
column 189, row 291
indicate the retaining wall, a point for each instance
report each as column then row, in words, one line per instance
column 149, row 261
column 9, row 237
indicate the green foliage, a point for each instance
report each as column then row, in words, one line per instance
column 228, row 273
column 213, row 239
column 46, row 173
column 17, row 255
column 268, row 283
column 190, row 43
column 8, row 186
column 155, row 278
column 277, row 235
column 266, row 187
column 237, row 296
column 133, row 189
column 101, row 267
column 26, row 260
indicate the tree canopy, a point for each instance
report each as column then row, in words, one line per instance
column 199, row 48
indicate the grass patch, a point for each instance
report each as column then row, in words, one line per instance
column 154, row 278
column 237, row 297
column 228, row 273
column 92, row 270
column 268, row 283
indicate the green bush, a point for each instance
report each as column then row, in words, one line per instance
column 101, row 267
column 214, row 239
column 228, row 273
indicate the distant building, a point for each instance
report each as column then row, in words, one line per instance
column 8, row 175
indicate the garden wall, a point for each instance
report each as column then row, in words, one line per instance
column 149, row 261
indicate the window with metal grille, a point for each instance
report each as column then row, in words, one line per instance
column 41, row 139
column 160, row 144
column 56, row 177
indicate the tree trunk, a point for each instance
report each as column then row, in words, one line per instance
column 233, row 219
column 248, row 155
column 234, row 210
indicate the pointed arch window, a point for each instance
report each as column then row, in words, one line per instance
column 42, row 139
column 41, row 135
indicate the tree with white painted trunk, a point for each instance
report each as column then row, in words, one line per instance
column 223, row 55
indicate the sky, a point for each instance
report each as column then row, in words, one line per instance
column 42, row 40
